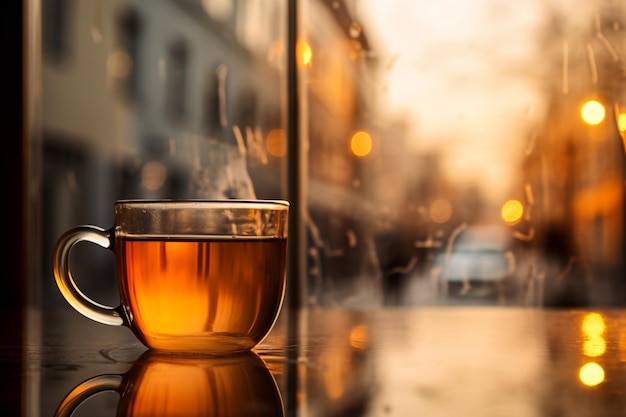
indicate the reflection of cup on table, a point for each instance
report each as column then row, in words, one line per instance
column 170, row 385
column 194, row 276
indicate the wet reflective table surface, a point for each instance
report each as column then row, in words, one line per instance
column 435, row 361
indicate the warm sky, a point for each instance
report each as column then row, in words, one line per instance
column 467, row 74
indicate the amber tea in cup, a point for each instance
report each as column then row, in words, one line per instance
column 194, row 276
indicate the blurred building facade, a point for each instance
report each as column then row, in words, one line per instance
column 575, row 167
column 157, row 99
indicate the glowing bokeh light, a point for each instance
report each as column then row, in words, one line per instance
column 594, row 347
column 593, row 328
column 361, row 143
column 276, row 143
column 440, row 210
column 592, row 112
column 591, row 374
column 512, row 211
column 593, row 325
column 304, row 53
column 621, row 123
column 359, row 337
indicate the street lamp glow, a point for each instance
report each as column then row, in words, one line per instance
column 512, row 212
column 361, row 143
column 592, row 112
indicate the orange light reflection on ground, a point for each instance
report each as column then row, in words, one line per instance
column 359, row 337
column 591, row 374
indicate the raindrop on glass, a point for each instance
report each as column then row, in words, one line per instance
column 354, row 30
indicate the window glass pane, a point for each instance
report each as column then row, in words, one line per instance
column 464, row 152
column 156, row 99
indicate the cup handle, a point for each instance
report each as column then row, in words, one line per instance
column 67, row 285
column 86, row 389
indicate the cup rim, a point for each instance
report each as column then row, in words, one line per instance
column 232, row 203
